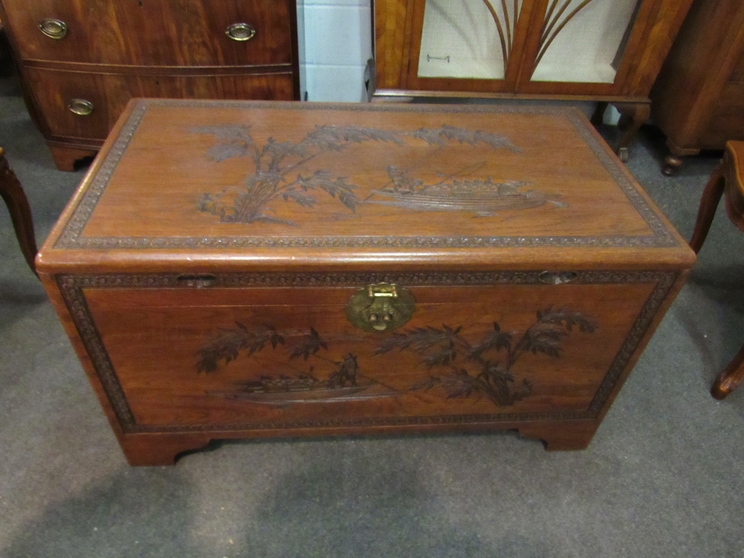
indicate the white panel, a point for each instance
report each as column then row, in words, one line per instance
column 584, row 50
column 337, row 35
column 462, row 40
column 335, row 2
column 301, row 46
column 335, row 83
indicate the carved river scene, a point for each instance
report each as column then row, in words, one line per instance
column 454, row 363
column 283, row 172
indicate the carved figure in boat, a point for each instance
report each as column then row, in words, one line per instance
column 484, row 197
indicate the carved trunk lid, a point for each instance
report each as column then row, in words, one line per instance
column 189, row 185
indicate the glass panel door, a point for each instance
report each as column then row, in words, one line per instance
column 583, row 40
column 467, row 39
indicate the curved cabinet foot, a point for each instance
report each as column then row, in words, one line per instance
column 671, row 165
column 567, row 436
column 673, row 161
column 159, row 449
column 71, row 158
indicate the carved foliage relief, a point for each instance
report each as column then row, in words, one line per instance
column 288, row 172
column 457, row 363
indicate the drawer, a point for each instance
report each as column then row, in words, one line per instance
column 727, row 119
column 154, row 32
column 108, row 94
column 737, row 76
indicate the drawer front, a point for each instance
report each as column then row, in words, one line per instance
column 737, row 76
column 727, row 120
column 153, row 32
column 282, row 353
column 55, row 93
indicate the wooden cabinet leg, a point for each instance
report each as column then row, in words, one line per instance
column 729, row 379
column 20, row 212
column 632, row 117
column 708, row 204
column 673, row 161
column 71, row 158
column 671, row 165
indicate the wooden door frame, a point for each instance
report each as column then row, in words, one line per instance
column 409, row 75
column 641, row 23
column 397, row 47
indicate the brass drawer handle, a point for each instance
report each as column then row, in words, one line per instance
column 557, row 277
column 380, row 307
column 240, row 32
column 53, row 28
column 81, row 107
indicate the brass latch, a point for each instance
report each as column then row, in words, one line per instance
column 380, row 307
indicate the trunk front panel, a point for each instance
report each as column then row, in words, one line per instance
column 173, row 357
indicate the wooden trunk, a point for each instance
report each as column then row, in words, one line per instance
column 250, row 269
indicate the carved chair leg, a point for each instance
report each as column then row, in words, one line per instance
column 20, row 212
column 632, row 117
column 729, row 379
column 726, row 177
column 708, row 204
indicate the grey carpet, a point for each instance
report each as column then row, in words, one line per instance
column 662, row 477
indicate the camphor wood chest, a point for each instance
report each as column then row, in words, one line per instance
column 248, row 269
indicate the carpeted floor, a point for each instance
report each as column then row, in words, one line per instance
column 662, row 477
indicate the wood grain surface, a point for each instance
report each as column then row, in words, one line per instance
column 115, row 50
column 399, row 23
column 204, row 268
column 155, row 340
column 472, row 186
column 154, row 32
column 699, row 95
column 111, row 91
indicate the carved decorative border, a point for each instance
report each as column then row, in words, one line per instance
column 168, row 243
column 637, row 331
column 352, row 279
column 72, row 289
column 71, row 237
column 662, row 236
column 377, row 421
column 86, row 328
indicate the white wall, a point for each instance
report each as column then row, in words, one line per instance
column 335, row 43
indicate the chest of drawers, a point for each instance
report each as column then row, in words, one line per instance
column 82, row 60
column 698, row 99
